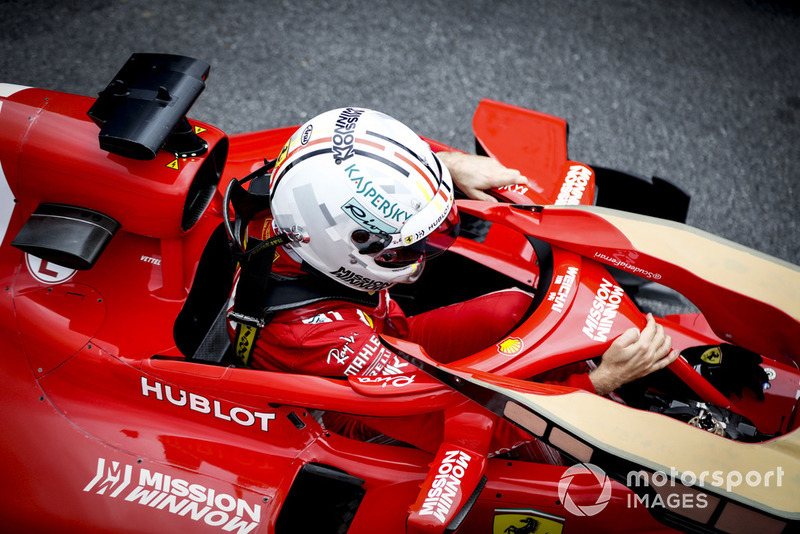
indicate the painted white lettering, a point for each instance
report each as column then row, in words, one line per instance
column 180, row 401
column 147, row 389
column 199, row 403
column 141, row 495
column 218, row 412
column 265, row 418
column 160, row 491
column 601, row 316
column 446, row 486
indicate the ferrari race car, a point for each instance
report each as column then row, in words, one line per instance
column 122, row 410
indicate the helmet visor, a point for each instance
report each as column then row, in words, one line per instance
column 429, row 247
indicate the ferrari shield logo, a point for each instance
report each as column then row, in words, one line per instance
column 282, row 156
column 712, row 356
column 526, row 522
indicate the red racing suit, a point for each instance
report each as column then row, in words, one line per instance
column 341, row 338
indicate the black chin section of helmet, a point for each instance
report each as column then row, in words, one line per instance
column 370, row 243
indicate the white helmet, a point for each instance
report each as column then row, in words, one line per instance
column 363, row 198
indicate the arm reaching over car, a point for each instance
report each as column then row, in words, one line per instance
column 475, row 174
column 633, row 355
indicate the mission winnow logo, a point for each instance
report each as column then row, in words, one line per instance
column 175, row 496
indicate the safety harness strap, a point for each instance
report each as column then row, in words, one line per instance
column 251, row 291
column 254, row 259
column 259, row 294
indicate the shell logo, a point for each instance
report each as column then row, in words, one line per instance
column 511, row 345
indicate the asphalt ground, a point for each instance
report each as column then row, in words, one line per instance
column 705, row 93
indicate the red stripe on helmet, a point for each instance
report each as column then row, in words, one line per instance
column 419, row 171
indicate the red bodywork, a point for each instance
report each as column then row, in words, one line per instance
column 108, row 428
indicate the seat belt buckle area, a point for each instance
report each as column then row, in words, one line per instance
column 252, row 322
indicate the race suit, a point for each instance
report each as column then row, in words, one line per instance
column 340, row 338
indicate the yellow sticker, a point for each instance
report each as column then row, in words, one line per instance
column 712, row 356
column 244, row 342
column 282, row 156
column 366, row 319
column 527, row 522
column 511, row 345
column 174, row 164
column 199, row 129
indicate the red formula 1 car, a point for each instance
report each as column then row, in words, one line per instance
column 116, row 419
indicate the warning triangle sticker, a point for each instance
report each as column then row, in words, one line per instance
column 199, row 129
column 174, row 164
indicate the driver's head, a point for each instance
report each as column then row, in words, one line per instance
column 364, row 198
